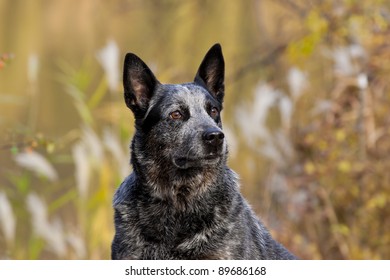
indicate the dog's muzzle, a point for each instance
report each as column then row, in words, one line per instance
column 212, row 141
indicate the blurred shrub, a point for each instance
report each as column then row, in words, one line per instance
column 306, row 116
column 334, row 187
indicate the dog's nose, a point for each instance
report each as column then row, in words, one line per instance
column 213, row 136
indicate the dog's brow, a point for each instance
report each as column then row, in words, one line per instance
column 186, row 89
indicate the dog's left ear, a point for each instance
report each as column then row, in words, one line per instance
column 139, row 84
column 211, row 72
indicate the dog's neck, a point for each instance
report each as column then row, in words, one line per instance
column 177, row 187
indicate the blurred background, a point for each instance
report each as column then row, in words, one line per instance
column 306, row 116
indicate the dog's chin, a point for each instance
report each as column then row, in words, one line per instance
column 196, row 162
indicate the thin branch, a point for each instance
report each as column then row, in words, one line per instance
column 256, row 63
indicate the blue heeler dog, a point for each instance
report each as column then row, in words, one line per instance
column 182, row 201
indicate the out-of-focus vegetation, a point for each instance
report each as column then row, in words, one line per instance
column 306, row 116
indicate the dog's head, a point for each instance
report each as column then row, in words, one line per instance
column 178, row 125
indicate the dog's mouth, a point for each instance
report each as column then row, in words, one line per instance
column 188, row 162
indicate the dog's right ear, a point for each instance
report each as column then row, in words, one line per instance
column 139, row 84
column 211, row 72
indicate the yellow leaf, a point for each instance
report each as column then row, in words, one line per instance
column 344, row 166
column 340, row 135
column 322, row 145
column 378, row 201
column 309, row 168
column 341, row 228
column 316, row 23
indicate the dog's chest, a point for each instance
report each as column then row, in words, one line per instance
column 162, row 223
column 164, row 233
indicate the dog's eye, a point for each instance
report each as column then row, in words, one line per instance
column 176, row 115
column 214, row 112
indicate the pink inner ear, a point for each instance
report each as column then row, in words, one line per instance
column 141, row 93
column 212, row 80
column 139, row 88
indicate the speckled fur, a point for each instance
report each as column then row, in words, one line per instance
column 178, row 203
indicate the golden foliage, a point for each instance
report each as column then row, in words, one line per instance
column 307, row 110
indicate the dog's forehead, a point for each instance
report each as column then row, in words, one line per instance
column 192, row 94
column 189, row 94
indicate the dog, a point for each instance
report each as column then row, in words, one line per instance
column 182, row 201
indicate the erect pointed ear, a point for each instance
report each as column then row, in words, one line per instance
column 139, row 84
column 211, row 72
